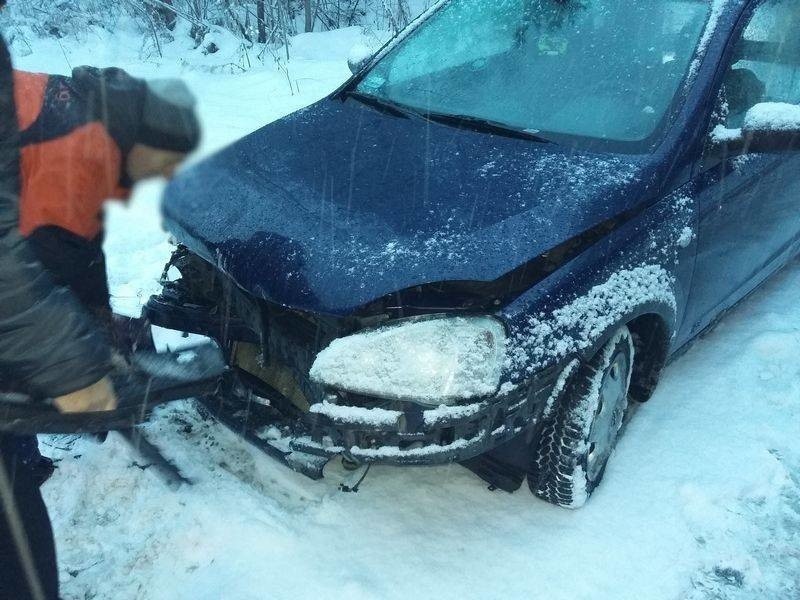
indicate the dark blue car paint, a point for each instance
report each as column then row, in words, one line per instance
column 747, row 209
column 339, row 204
column 386, row 203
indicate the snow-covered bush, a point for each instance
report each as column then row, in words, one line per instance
column 60, row 18
column 266, row 22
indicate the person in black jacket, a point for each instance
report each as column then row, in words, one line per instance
column 50, row 348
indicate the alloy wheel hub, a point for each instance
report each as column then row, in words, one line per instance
column 609, row 414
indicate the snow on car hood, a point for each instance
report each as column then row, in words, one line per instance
column 338, row 205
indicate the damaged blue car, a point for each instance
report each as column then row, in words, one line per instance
column 486, row 245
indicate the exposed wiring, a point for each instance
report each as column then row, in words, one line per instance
column 354, row 489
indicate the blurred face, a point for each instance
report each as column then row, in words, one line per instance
column 145, row 162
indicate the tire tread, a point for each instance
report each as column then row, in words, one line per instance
column 556, row 460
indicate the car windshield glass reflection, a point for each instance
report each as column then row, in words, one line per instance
column 604, row 69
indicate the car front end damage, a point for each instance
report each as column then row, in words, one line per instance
column 288, row 389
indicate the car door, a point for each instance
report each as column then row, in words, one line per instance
column 749, row 204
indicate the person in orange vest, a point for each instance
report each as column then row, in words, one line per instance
column 86, row 139
column 49, row 348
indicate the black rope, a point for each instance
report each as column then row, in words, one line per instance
column 347, row 489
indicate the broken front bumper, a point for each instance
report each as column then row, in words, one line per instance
column 403, row 433
column 396, row 434
column 268, row 397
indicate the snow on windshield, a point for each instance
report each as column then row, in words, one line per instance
column 612, row 67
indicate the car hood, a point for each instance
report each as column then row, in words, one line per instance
column 339, row 204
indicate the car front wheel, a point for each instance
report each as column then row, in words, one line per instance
column 577, row 439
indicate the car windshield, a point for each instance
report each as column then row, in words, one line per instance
column 606, row 69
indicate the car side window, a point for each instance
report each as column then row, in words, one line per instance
column 766, row 63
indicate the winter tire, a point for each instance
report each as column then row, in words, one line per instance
column 579, row 436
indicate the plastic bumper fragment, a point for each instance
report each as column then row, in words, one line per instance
column 423, row 436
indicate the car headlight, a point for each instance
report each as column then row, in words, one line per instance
column 430, row 360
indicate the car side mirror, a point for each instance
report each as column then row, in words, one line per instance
column 769, row 127
column 359, row 57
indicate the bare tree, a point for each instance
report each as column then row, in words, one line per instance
column 309, row 14
column 266, row 22
column 397, row 13
column 261, row 20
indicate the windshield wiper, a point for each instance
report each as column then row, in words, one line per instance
column 485, row 125
column 384, row 106
column 465, row 121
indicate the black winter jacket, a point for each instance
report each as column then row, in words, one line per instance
column 48, row 345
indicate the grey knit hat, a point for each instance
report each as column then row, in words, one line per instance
column 169, row 121
column 158, row 113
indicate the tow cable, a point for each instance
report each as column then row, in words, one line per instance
column 151, row 380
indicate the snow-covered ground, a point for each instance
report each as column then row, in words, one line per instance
column 702, row 500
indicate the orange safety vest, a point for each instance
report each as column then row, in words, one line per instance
column 70, row 164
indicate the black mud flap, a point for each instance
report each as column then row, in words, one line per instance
column 151, row 380
column 503, row 468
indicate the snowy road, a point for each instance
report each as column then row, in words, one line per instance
column 701, row 501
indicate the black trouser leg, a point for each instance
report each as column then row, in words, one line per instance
column 28, row 567
column 28, row 450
